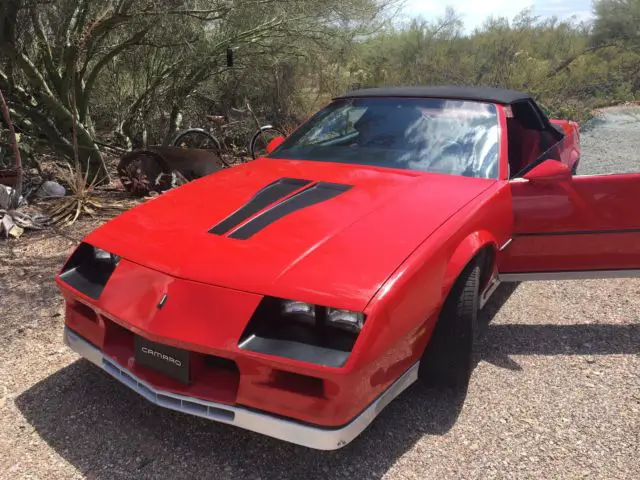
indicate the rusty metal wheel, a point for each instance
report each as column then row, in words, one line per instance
column 144, row 171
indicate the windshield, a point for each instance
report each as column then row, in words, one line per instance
column 428, row 135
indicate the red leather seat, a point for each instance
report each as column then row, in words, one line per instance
column 524, row 145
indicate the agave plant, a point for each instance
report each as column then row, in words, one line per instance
column 82, row 198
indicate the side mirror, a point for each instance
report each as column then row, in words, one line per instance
column 274, row 143
column 549, row 171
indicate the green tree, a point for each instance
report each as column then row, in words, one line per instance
column 55, row 56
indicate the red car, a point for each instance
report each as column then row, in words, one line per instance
column 298, row 294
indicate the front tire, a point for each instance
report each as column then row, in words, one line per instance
column 448, row 359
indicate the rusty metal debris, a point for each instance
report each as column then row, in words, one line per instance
column 159, row 168
column 8, row 177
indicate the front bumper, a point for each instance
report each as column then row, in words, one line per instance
column 310, row 436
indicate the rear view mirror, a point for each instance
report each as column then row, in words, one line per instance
column 274, row 143
column 549, row 171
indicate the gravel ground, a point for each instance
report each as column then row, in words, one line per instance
column 611, row 142
column 555, row 394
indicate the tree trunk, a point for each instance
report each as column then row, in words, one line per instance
column 89, row 155
column 175, row 120
column 17, row 160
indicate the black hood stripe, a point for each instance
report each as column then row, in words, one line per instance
column 263, row 198
column 317, row 193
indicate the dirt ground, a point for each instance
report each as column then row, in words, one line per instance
column 555, row 394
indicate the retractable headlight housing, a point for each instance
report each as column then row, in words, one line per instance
column 302, row 331
column 88, row 269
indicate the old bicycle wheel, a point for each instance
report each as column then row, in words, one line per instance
column 260, row 139
column 200, row 139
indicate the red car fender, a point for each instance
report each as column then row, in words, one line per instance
column 464, row 253
column 405, row 310
column 434, row 278
column 398, row 339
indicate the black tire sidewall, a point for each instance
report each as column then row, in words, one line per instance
column 448, row 358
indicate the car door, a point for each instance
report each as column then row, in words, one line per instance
column 572, row 226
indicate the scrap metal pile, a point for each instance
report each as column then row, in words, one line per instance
column 159, row 168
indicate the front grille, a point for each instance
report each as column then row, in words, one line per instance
column 190, row 406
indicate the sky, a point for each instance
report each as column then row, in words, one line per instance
column 474, row 12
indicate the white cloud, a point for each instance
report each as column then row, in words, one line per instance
column 475, row 12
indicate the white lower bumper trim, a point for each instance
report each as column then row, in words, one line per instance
column 288, row 430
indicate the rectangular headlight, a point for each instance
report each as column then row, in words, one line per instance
column 104, row 256
column 292, row 307
column 319, row 315
column 299, row 312
column 346, row 319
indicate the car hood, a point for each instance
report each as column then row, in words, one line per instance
column 335, row 245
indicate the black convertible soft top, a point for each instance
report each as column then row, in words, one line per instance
column 481, row 94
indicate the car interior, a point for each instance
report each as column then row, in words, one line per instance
column 531, row 138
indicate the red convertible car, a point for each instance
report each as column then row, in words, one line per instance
column 298, row 294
